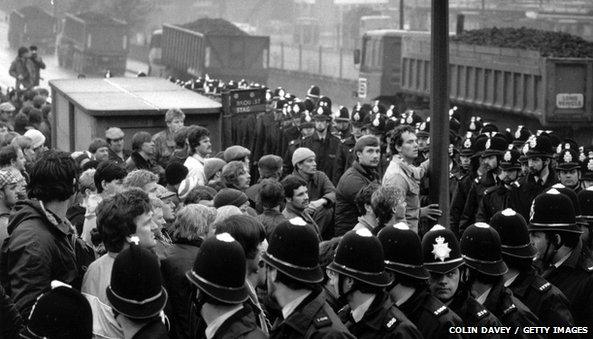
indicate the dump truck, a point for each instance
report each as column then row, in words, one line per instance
column 32, row 25
column 92, row 44
column 214, row 47
column 508, row 86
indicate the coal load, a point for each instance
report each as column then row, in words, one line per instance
column 209, row 26
column 547, row 43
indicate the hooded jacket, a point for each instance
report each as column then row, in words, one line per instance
column 38, row 250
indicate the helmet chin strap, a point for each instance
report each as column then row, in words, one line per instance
column 343, row 295
column 548, row 260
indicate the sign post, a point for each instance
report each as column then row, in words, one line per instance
column 236, row 104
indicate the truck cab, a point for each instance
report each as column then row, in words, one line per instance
column 380, row 64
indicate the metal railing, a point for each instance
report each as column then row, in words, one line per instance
column 318, row 60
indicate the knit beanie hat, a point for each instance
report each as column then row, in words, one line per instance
column 211, row 166
column 175, row 173
column 236, row 152
column 60, row 313
column 301, row 154
column 230, row 196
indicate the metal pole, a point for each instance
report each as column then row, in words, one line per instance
column 439, row 101
column 401, row 14
column 282, row 55
column 300, row 57
column 341, row 63
column 320, row 55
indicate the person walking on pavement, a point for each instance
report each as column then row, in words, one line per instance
column 35, row 65
column 20, row 69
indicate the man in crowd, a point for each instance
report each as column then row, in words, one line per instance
column 115, row 139
column 20, row 69
column 164, row 140
column 297, row 200
column 10, row 186
column 142, row 156
column 269, row 167
column 271, row 196
column 362, row 172
column 38, row 249
column 198, row 140
column 36, row 64
column 321, row 191
column 406, row 177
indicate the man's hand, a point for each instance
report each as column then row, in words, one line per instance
column 432, row 212
column 315, row 205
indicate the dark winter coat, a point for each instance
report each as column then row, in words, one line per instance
column 355, row 178
column 326, row 151
column 39, row 249
column 9, row 318
column 179, row 258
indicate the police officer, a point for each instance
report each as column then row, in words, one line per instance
column 306, row 128
column 568, row 169
column 345, row 155
column 313, row 95
column 222, row 290
column 543, row 299
column 358, row 275
column 540, row 177
column 403, row 259
column 481, row 251
column 556, row 238
column 490, row 148
column 322, row 142
column 467, row 172
column 342, row 124
column 585, row 220
column 498, row 197
column 442, row 259
column 293, row 275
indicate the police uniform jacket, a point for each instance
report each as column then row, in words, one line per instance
column 545, row 300
column 344, row 159
column 473, row 313
column 326, row 151
column 289, row 133
column 292, row 146
column 430, row 315
column 528, row 190
column 459, row 198
column 575, row 280
column 382, row 320
column 474, row 195
column 242, row 324
column 355, row 178
column 496, row 199
column 510, row 310
column 313, row 318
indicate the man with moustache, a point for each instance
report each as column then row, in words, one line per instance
column 490, row 149
column 540, row 177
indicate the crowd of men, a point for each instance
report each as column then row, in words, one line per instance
column 316, row 223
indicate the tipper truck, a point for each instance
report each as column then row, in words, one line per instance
column 32, row 25
column 209, row 46
column 93, row 44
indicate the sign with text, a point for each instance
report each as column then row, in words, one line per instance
column 569, row 100
column 244, row 101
